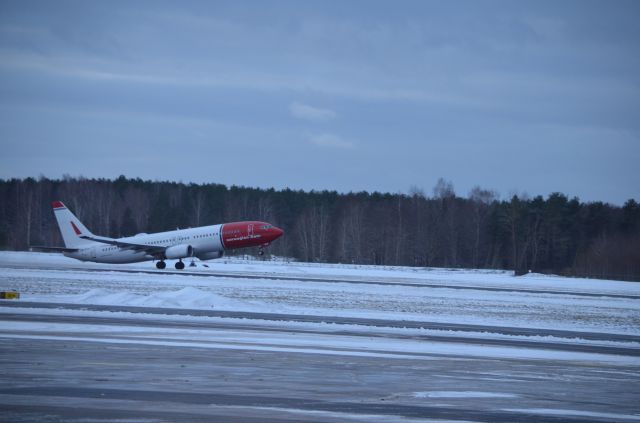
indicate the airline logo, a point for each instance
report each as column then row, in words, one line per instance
column 243, row 238
column 75, row 228
column 239, row 234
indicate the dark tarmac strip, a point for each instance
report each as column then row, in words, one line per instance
column 287, row 403
column 146, row 322
column 418, row 284
column 304, row 318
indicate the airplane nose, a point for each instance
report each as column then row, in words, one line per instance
column 278, row 232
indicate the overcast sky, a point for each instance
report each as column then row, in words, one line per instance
column 514, row 96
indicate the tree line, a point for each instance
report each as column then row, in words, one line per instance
column 547, row 235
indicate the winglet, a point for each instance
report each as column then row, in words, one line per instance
column 58, row 205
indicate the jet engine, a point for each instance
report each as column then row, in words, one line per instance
column 210, row 256
column 178, row 251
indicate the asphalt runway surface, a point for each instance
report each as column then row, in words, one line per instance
column 54, row 380
column 150, row 364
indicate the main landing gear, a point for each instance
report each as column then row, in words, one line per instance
column 161, row 265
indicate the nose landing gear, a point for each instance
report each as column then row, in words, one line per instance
column 261, row 249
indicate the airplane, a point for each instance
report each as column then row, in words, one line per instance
column 204, row 242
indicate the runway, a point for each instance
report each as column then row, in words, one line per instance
column 83, row 381
column 443, row 329
column 196, row 400
column 373, row 362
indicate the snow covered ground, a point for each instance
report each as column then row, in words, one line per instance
column 389, row 274
column 320, row 324
column 350, row 291
column 362, row 292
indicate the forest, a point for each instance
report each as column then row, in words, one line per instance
column 556, row 234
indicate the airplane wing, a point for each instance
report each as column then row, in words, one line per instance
column 149, row 249
column 54, row 249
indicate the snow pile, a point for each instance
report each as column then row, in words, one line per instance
column 187, row 297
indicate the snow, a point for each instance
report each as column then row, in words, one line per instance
column 187, row 297
column 345, row 416
column 400, row 274
column 83, row 284
column 249, row 286
column 462, row 394
column 342, row 291
column 305, row 343
column 324, row 327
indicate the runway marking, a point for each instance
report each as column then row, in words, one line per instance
column 117, row 322
column 306, row 318
column 99, row 363
column 407, row 350
column 241, row 346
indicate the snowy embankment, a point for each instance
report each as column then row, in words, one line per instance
column 349, row 272
column 334, row 290
column 388, row 294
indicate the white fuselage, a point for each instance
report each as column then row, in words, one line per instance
column 204, row 242
column 203, row 239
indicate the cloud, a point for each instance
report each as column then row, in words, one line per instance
column 304, row 111
column 331, row 141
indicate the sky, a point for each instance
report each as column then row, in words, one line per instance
column 526, row 97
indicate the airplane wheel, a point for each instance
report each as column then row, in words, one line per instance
column 161, row 264
column 261, row 252
column 179, row 265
